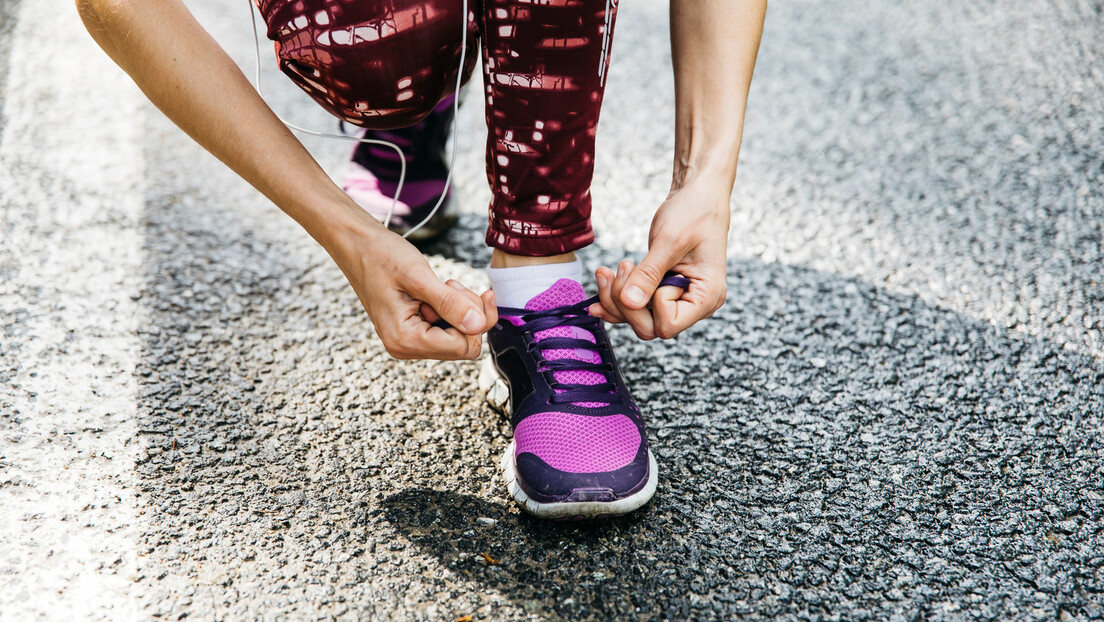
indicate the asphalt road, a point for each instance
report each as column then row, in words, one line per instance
column 897, row 415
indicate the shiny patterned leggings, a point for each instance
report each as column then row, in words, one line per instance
column 387, row 63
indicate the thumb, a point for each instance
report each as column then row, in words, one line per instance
column 455, row 303
column 645, row 277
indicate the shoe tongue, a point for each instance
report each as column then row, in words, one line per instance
column 567, row 292
column 564, row 292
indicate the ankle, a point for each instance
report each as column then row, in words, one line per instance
column 516, row 285
column 500, row 259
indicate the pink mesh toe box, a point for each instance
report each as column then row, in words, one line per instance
column 579, row 443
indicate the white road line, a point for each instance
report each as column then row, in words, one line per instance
column 71, row 193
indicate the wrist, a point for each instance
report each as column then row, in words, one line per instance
column 342, row 227
column 715, row 181
column 702, row 163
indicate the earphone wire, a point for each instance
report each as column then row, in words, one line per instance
column 361, row 139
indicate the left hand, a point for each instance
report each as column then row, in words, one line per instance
column 689, row 235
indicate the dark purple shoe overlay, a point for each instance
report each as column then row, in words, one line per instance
column 544, row 484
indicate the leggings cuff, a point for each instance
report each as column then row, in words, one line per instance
column 543, row 245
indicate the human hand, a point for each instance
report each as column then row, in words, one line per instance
column 403, row 297
column 689, row 235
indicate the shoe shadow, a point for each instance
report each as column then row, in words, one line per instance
column 555, row 569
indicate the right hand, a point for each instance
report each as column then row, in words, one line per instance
column 403, row 297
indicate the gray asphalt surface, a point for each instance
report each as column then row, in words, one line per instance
column 897, row 415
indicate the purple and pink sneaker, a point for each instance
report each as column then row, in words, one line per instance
column 580, row 449
column 373, row 175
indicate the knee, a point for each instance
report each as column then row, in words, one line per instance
column 369, row 67
column 373, row 99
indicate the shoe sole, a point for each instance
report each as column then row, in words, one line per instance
column 498, row 396
column 494, row 387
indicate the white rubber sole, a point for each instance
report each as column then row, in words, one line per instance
column 578, row 510
column 494, row 387
column 498, row 396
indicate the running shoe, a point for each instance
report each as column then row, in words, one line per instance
column 580, row 448
column 373, row 174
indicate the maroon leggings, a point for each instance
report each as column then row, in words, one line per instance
column 387, row 63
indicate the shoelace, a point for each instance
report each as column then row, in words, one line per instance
column 578, row 315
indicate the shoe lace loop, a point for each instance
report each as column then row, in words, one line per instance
column 574, row 315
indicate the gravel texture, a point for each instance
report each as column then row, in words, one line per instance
column 897, row 415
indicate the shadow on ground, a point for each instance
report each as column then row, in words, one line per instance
column 826, row 446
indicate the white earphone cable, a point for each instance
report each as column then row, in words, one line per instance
column 402, row 157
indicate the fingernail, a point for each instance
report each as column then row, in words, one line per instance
column 455, row 285
column 602, row 280
column 634, row 294
column 472, row 322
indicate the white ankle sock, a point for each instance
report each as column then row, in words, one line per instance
column 513, row 287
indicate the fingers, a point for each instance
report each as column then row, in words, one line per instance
column 674, row 310
column 634, row 287
column 642, row 281
column 487, row 299
column 454, row 303
column 597, row 311
column 425, row 341
column 611, row 309
column 486, row 303
column 428, row 314
column 412, row 335
column 490, row 309
column 671, row 311
column 671, row 315
column 404, row 298
column 450, row 343
column 607, row 309
column 640, row 319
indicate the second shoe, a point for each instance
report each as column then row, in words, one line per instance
column 374, row 170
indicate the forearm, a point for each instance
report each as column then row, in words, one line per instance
column 714, row 44
column 194, row 82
